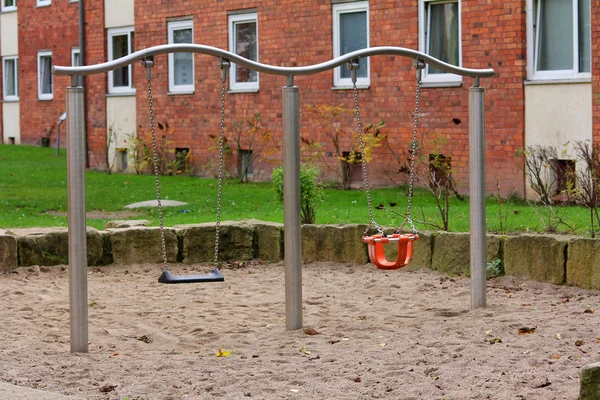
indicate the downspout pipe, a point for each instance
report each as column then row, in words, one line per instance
column 81, row 77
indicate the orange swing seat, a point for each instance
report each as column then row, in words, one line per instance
column 377, row 256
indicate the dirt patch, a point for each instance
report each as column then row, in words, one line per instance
column 367, row 334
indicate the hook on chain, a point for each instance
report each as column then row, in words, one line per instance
column 224, row 65
column 148, row 63
column 353, row 65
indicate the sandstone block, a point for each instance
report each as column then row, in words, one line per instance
column 451, row 252
column 142, row 245
column 583, row 263
column 8, row 251
column 536, row 257
column 338, row 243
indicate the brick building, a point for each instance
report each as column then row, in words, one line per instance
column 545, row 55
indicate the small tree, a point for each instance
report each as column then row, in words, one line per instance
column 588, row 180
column 541, row 171
column 310, row 191
column 334, row 123
column 251, row 143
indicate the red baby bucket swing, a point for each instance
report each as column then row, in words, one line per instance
column 403, row 241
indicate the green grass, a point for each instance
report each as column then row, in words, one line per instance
column 33, row 190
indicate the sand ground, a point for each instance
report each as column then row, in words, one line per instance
column 367, row 334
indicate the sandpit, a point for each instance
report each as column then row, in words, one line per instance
column 367, row 334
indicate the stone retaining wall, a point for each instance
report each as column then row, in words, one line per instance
column 546, row 258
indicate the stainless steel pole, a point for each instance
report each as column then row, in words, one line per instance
column 77, row 226
column 291, row 205
column 477, row 192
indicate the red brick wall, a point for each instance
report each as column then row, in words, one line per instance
column 95, row 85
column 493, row 35
column 595, row 16
column 52, row 28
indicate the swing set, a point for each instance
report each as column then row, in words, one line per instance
column 291, row 160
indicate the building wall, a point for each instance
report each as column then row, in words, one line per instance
column 9, row 46
column 120, row 110
column 492, row 34
column 52, row 28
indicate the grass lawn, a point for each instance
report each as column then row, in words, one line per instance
column 33, row 193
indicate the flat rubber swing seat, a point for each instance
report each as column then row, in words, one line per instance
column 376, row 253
column 213, row 276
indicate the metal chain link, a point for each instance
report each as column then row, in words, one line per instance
column 223, row 65
column 155, row 164
column 419, row 66
column 364, row 162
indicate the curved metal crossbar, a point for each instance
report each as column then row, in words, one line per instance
column 269, row 69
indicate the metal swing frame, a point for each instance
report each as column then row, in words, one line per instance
column 291, row 159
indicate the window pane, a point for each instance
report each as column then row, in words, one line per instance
column 353, row 36
column 183, row 62
column 9, row 3
column 76, row 59
column 120, row 49
column 584, row 35
column 46, row 74
column 555, row 36
column 245, row 46
column 443, row 38
column 10, row 88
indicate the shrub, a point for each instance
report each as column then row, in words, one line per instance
column 310, row 191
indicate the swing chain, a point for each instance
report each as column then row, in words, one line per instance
column 148, row 63
column 419, row 65
column 224, row 66
column 353, row 66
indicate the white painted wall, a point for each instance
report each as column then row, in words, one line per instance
column 9, row 38
column 121, row 121
column 11, row 125
column 118, row 13
column 558, row 115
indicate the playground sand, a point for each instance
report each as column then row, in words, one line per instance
column 368, row 334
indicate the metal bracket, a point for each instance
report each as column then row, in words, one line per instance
column 224, row 65
column 148, row 63
column 419, row 65
column 353, row 66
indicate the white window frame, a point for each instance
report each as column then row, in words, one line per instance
column 120, row 32
column 75, row 50
column 424, row 21
column 15, row 77
column 6, row 8
column 233, row 84
column 346, row 8
column 532, row 36
column 43, row 96
column 43, row 3
column 173, row 88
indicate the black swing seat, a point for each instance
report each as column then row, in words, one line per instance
column 213, row 276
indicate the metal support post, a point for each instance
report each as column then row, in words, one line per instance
column 291, row 205
column 77, row 225
column 477, row 192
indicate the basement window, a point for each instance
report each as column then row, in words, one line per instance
column 245, row 165
column 9, row 5
column 564, row 171
column 440, row 169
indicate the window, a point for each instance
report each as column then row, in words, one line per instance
column 181, row 65
column 565, row 175
column 45, row 75
column 43, row 3
column 351, row 33
column 440, row 37
column 75, row 57
column 243, row 41
column 245, row 165
column 11, row 78
column 120, row 44
column 9, row 5
column 559, row 39
column 440, row 170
